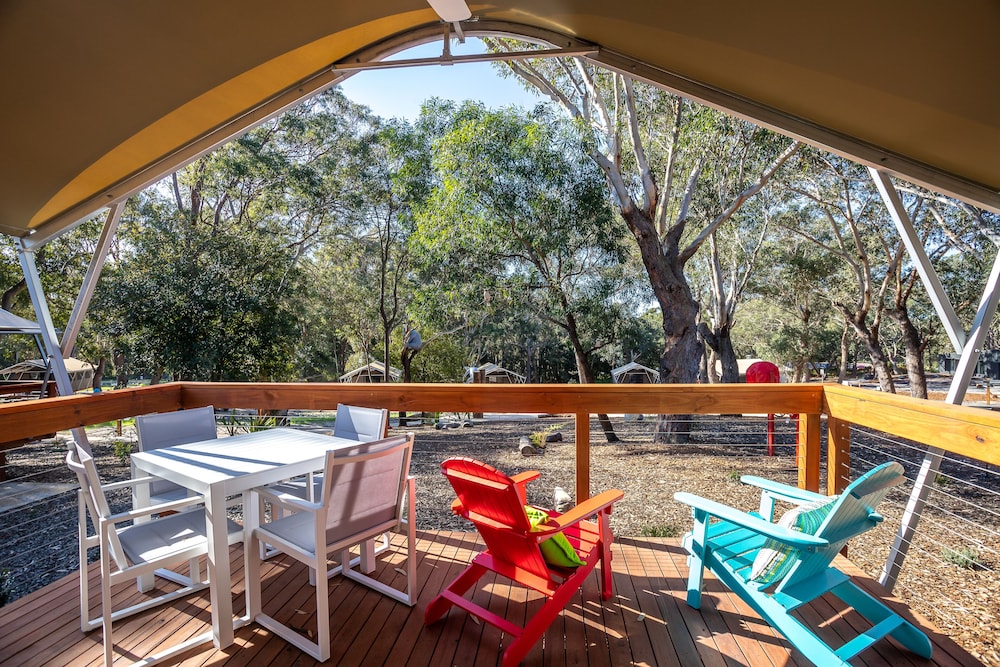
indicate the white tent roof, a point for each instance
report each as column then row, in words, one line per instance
column 493, row 369
column 12, row 324
column 633, row 368
column 372, row 369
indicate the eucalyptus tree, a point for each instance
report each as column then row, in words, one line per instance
column 837, row 208
column 211, row 265
column 388, row 178
column 786, row 318
column 516, row 197
column 653, row 148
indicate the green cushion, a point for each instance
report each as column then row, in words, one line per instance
column 556, row 550
column 775, row 559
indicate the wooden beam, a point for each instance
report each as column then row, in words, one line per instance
column 808, row 451
column 971, row 432
column 582, row 456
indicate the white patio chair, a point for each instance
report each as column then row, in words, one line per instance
column 353, row 423
column 139, row 549
column 364, row 489
column 166, row 429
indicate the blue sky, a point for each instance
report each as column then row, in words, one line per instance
column 400, row 92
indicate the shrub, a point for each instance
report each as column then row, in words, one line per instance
column 964, row 557
column 669, row 530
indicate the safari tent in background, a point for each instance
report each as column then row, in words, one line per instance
column 372, row 372
column 491, row 373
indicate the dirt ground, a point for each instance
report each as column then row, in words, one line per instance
column 721, row 450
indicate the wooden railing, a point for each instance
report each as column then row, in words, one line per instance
column 968, row 432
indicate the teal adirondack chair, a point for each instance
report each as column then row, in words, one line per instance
column 777, row 567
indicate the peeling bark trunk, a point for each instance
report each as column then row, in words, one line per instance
column 914, row 347
column 587, row 377
column 721, row 343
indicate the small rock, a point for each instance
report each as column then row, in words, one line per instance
column 561, row 500
column 554, row 437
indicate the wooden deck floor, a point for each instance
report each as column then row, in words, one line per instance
column 646, row 622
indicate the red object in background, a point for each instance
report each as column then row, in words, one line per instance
column 765, row 371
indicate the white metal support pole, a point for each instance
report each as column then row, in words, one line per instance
column 929, row 277
column 90, row 280
column 49, row 339
column 932, row 459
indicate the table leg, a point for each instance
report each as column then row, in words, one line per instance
column 140, row 498
column 219, row 571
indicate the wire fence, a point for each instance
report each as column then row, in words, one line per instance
column 950, row 571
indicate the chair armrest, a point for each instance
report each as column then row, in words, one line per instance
column 750, row 522
column 785, row 492
column 172, row 506
column 521, row 482
column 288, row 501
column 525, row 477
column 113, row 486
column 584, row 510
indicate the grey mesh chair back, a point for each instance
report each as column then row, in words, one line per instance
column 362, row 424
column 166, row 429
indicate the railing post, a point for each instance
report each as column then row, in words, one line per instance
column 838, row 455
column 808, row 452
column 582, row 456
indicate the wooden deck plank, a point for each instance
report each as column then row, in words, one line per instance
column 647, row 621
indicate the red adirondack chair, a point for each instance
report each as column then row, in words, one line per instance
column 495, row 503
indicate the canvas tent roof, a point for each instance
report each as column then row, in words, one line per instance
column 101, row 99
column 81, row 373
column 622, row 374
column 12, row 324
column 491, row 369
column 373, row 369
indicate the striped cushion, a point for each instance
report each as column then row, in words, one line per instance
column 775, row 559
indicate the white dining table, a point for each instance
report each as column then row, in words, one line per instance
column 225, row 467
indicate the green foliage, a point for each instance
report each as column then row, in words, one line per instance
column 668, row 530
column 966, row 558
column 516, row 195
column 122, row 449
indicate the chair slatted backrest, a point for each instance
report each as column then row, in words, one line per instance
column 490, row 500
column 852, row 514
column 167, row 429
column 361, row 424
column 364, row 486
column 82, row 463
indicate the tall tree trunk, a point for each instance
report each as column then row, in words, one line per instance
column 914, row 352
column 99, row 373
column 121, row 370
column 845, row 352
column 681, row 354
column 880, row 363
column 720, row 342
column 11, row 293
column 587, row 377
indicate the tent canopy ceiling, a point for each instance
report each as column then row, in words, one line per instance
column 13, row 324
column 103, row 98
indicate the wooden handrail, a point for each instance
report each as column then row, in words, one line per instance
column 966, row 431
column 970, row 432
